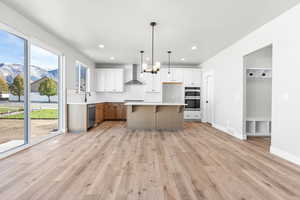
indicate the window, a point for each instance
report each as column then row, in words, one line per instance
column 82, row 77
column 13, row 132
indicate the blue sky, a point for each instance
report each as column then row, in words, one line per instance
column 12, row 51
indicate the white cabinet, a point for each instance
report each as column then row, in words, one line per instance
column 192, row 77
column 192, row 115
column 153, row 84
column 110, row 80
column 176, row 75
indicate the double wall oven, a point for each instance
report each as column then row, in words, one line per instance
column 192, row 98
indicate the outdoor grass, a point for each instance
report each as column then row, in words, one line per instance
column 9, row 109
column 37, row 114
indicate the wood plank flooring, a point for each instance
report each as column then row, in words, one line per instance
column 111, row 162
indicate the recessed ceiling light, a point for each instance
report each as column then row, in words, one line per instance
column 101, row 46
column 112, row 58
column 194, row 47
column 182, row 59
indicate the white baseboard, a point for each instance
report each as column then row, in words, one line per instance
column 285, row 155
column 221, row 128
column 232, row 133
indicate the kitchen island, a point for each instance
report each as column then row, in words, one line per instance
column 164, row 116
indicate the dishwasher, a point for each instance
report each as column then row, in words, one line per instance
column 91, row 115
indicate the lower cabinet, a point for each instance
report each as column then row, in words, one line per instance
column 99, row 112
column 110, row 111
column 193, row 115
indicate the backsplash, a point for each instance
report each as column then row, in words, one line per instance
column 131, row 92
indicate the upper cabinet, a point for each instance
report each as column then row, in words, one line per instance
column 192, row 77
column 152, row 81
column 110, row 80
column 189, row 76
column 175, row 75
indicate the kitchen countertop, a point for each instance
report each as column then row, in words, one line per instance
column 93, row 102
column 106, row 101
column 153, row 104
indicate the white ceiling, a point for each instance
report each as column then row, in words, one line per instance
column 123, row 25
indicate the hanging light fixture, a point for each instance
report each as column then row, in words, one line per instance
column 154, row 67
column 142, row 62
column 169, row 67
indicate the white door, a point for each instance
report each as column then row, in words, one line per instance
column 209, row 99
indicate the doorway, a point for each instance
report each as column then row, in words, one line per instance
column 208, row 98
column 258, row 96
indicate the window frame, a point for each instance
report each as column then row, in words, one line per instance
column 78, row 76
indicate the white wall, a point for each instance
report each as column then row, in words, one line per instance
column 261, row 58
column 284, row 34
column 26, row 27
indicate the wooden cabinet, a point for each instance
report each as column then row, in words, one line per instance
column 99, row 112
column 153, row 84
column 114, row 111
column 192, row 77
column 110, row 80
column 109, row 111
column 121, row 111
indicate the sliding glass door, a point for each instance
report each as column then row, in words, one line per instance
column 44, row 96
column 31, row 85
column 13, row 73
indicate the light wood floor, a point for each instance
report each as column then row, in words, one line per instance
column 111, row 162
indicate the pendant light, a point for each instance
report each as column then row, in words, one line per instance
column 154, row 68
column 142, row 62
column 169, row 67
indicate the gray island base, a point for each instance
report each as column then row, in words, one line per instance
column 164, row 116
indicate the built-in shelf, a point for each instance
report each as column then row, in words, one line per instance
column 258, row 127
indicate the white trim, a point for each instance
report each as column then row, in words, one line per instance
column 227, row 130
column 13, row 31
column 205, row 75
column 62, row 91
column 285, row 155
column 221, row 128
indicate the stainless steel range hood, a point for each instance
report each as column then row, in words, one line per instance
column 134, row 80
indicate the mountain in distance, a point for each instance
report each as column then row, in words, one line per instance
column 54, row 73
column 10, row 71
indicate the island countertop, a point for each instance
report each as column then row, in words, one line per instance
column 153, row 104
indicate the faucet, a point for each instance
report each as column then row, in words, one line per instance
column 85, row 95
